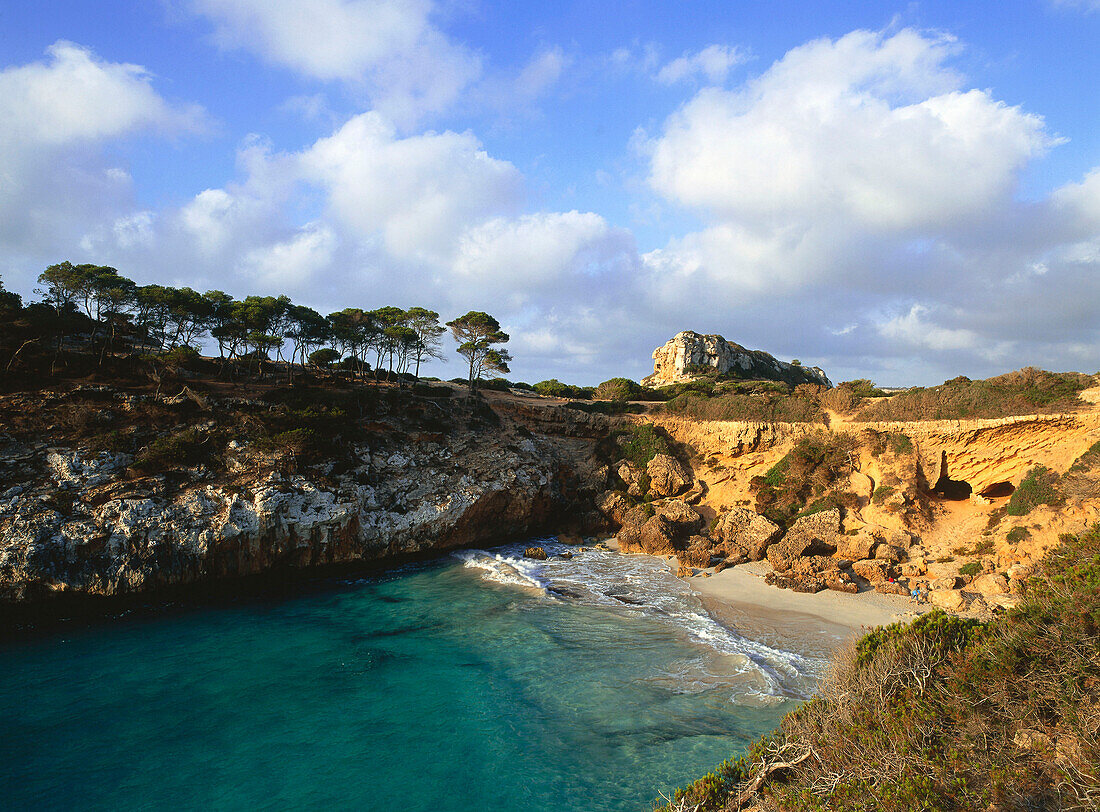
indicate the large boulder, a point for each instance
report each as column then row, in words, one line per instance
column 668, row 476
column 698, row 553
column 658, row 536
column 856, row 547
column 614, row 506
column 637, row 515
column 632, row 477
column 745, row 533
column 873, row 570
column 811, row 535
column 681, row 514
column 951, row 600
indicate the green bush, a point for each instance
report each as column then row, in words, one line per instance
column 323, row 358
column 618, row 389
column 881, row 494
column 641, row 442
column 556, row 389
column 1038, row 487
column 182, row 449
column 900, row 443
column 809, row 478
column 971, row 569
column 1017, row 534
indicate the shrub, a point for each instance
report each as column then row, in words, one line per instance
column 556, row 389
column 1017, row 534
column 323, row 358
column 641, row 442
column 926, row 715
column 881, row 494
column 1026, row 391
column 862, row 388
column 900, row 443
column 618, row 389
column 808, row 478
column 182, row 449
column 971, row 569
column 1038, row 487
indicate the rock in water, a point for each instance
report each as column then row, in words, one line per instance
column 536, row 553
column 688, row 353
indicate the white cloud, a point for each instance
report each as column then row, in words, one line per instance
column 57, row 114
column 292, row 263
column 75, row 97
column 712, row 63
column 420, row 193
column 823, row 130
column 542, row 72
column 861, row 176
column 390, row 47
column 539, row 256
column 1086, row 5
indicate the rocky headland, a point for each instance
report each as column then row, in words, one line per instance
column 217, row 489
column 688, row 354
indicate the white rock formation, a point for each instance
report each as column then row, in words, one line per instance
column 688, row 353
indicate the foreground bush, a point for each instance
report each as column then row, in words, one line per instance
column 945, row 713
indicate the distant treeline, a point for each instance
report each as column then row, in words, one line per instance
column 95, row 310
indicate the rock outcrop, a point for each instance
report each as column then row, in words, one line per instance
column 688, row 354
column 77, row 523
column 744, row 534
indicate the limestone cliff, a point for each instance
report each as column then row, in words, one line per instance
column 687, row 354
column 427, row 476
column 927, row 498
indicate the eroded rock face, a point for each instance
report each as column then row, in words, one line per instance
column 811, row 535
column 83, row 525
column 668, row 476
column 743, row 532
column 681, row 358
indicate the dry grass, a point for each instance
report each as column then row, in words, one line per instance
column 1025, row 391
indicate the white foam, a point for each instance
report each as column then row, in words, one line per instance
column 644, row 585
column 503, row 569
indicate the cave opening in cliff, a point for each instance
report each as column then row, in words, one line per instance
column 998, row 490
column 953, row 489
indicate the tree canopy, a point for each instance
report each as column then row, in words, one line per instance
column 476, row 334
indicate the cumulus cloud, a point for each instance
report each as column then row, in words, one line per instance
column 862, row 179
column 713, row 63
column 58, row 114
column 418, row 193
column 392, row 48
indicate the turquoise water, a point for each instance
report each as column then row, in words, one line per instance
column 475, row 682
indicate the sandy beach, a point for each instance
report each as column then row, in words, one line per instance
column 815, row 624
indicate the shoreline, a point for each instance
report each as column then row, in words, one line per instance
column 815, row 624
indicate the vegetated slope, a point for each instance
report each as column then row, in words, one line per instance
column 946, row 713
column 1025, row 391
column 714, row 397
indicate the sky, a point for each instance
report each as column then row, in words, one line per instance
column 899, row 191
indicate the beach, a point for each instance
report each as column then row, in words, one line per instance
column 813, row 624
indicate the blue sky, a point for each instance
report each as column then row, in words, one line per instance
column 904, row 191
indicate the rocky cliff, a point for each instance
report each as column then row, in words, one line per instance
column 204, row 494
column 917, row 505
column 688, row 354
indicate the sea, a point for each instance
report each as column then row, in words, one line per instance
column 481, row 680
